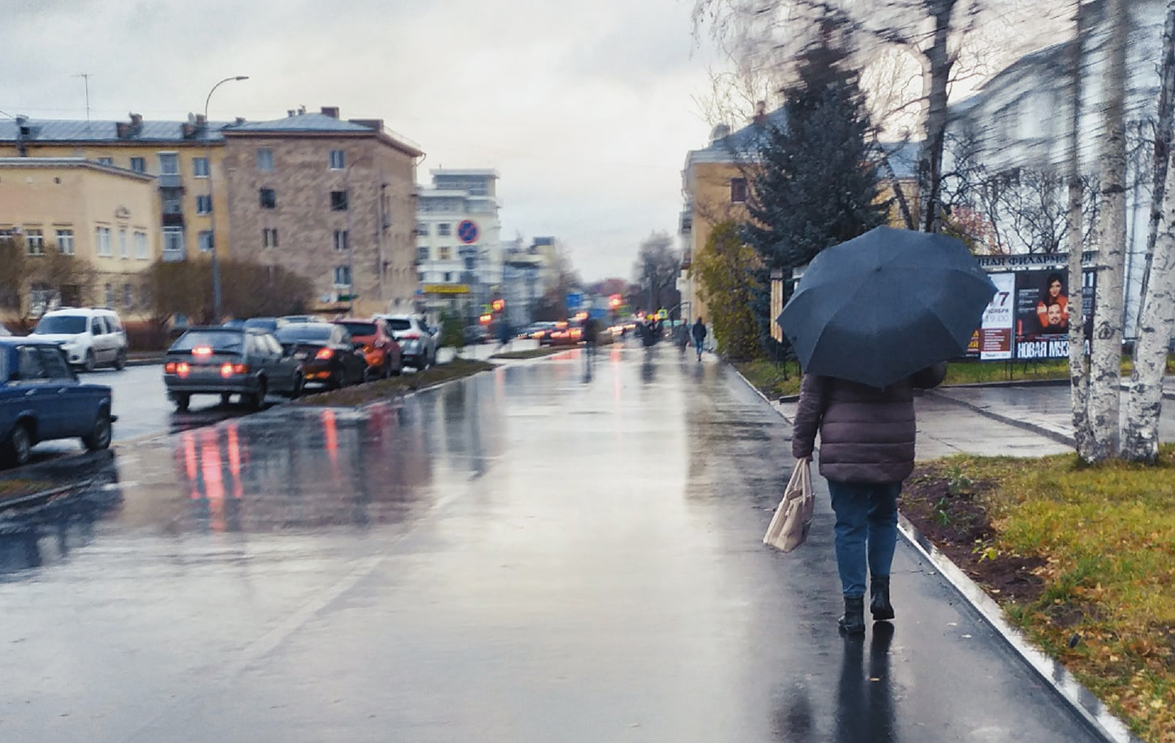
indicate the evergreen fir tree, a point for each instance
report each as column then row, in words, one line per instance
column 815, row 184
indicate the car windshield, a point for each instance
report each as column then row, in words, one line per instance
column 396, row 324
column 359, row 328
column 264, row 323
column 220, row 341
column 61, row 325
column 307, row 332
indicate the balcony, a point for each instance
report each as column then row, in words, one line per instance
column 173, row 219
column 170, row 180
column 175, row 256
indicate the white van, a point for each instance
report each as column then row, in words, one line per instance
column 89, row 337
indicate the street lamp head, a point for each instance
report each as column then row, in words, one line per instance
column 241, row 77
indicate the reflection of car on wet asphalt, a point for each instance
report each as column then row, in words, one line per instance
column 379, row 348
column 41, row 399
column 326, row 351
column 229, row 361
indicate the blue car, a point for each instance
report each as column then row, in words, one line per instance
column 41, row 399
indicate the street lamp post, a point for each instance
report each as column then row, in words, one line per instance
column 211, row 211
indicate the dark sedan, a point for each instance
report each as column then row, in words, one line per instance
column 229, row 361
column 41, row 399
column 326, row 351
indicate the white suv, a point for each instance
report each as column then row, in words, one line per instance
column 89, row 337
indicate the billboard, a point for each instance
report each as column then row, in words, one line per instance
column 1028, row 318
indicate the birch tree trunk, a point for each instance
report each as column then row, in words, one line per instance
column 1078, row 371
column 1164, row 132
column 1105, row 359
column 1141, row 441
column 936, row 65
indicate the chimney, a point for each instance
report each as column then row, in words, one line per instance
column 301, row 110
column 331, row 111
column 23, row 133
column 136, row 121
column 291, row 113
column 200, row 120
column 240, row 120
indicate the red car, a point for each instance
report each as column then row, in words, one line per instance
column 379, row 348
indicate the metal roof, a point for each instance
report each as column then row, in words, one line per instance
column 70, row 162
column 307, row 122
column 48, row 131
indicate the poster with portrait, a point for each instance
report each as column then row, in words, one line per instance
column 1043, row 313
column 994, row 337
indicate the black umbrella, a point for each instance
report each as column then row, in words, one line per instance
column 883, row 305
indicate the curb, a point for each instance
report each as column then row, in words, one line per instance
column 1087, row 706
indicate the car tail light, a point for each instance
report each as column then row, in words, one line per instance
column 324, row 354
column 411, row 335
column 169, row 368
column 202, row 351
column 182, row 369
column 240, row 368
column 226, row 369
column 368, row 348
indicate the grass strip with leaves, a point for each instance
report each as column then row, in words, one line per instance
column 772, row 379
column 1098, row 542
column 382, row 389
column 15, row 488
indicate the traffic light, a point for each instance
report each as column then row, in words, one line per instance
column 486, row 319
column 615, row 301
column 499, row 305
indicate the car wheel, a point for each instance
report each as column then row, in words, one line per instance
column 20, row 445
column 90, row 362
column 256, row 400
column 120, row 360
column 181, row 403
column 225, row 398
column 99, row 438
column 387, row 368
column 296, row 389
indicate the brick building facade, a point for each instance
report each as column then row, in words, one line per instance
column 332, row 200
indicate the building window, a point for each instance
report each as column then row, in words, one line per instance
column 422, row 229
column 103, row 235
column 269, row 237
column 342, row 276
column 203, row 204
column 34, row 241
column 65, row 242
column 338, row 160
column 124, row 247
column 169, row 163
column 127, row 296
column 265, row 160
column 106, row 161
column 268, row 198
column 200, row 167
column 338, row 201
column 204, row 240
column 139, row 164
column 470, row 263
column 422, row 253
column 109, row 296
column 448, row 276
column 341, row 240
column 445, row 253
column 173, row 239
column 172, row 203
column 444, row 229
column 738, row 190
column 141, row 246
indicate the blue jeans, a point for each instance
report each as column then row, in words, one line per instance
column 866, row 530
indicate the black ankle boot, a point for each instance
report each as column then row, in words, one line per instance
column 853, row 622
column 879, row 599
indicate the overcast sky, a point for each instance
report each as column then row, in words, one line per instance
column 586, row 109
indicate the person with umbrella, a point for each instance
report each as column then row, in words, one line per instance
column 872, row 320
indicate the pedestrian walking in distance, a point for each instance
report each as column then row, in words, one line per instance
column 699, row 333
column 866, row 451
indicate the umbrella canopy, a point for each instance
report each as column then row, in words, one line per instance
column 883, row 305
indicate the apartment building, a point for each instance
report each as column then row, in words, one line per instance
column 331, row 199
column 87, row 230
column 182, row 155
column 458, row 241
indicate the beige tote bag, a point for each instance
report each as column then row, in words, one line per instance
column 793, row 518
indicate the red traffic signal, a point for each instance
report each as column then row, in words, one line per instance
column 499, row 305
column 614, row 301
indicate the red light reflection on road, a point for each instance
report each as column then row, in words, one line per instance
column 213, row 476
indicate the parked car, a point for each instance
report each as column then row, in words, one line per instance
column 89, row 337
column 380, row 349
column 418, row 346
column 268, row 324
column 301, row 318
column 5, row 332
column 41, row 399
column 229, row 361
column 326, row 351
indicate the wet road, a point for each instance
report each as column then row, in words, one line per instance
column 535, row 554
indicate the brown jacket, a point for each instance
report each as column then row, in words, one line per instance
column 866, row 434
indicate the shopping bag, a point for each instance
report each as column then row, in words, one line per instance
column 793, row 518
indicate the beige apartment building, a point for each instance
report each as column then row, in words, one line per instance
column 86, row 231
column 330, row 199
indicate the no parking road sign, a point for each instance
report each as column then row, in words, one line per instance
column 467, row 231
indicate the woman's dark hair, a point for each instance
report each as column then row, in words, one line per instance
column 1044, row 292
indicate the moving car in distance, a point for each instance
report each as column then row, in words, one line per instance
column 226, row 362
column 41, row 399
column 379, row 348
column 418, row 346
column 89, row 337
column 326, row 351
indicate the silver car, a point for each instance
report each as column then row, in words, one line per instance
column 418, row 345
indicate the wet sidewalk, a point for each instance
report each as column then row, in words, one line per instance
column 536, row 554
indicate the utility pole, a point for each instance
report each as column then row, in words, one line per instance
column 86, row 77
column 213, row 247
